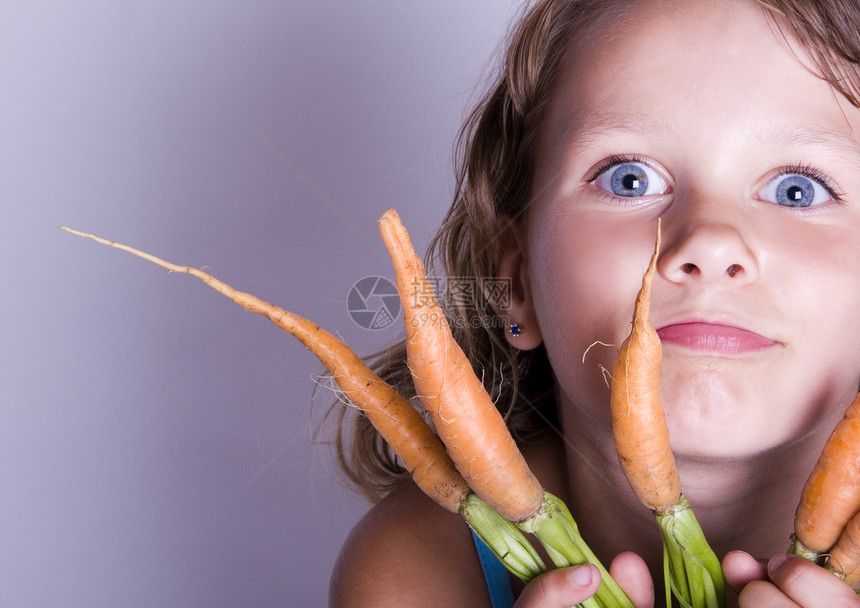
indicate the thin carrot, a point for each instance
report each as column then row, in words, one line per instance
column 638, row 420
column 462, row 411
column 844, row 558
column 831, row 495
column 412, row 439
column 692, row 571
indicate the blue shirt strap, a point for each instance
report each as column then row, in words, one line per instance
column 496, row 576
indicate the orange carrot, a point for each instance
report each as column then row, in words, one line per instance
column 462, row 411
column 474, row 431
column 831, row 495
column 411, row 438
column 692, row 572
column 638, row 421
column 844, row 557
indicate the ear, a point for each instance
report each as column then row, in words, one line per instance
column 511, row 266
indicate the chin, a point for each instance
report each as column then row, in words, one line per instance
column 719, row 438
column 710, row 442
column 710, row 451
column 712, row 416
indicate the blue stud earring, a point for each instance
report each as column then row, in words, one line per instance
column 515, row 330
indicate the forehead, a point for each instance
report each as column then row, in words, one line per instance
column 696, row 62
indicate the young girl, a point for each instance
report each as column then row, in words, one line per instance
column 736, row 122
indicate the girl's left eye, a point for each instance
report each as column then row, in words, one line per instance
column 796, row 190
column 630, row 179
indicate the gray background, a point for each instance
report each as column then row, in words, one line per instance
column 155, row 438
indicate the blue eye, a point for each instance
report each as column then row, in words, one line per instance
column 630, row 179
column 795, row 190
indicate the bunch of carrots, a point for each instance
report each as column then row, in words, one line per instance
column 471, row 465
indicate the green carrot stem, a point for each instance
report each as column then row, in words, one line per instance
column 691, row 567
column 798, row 548
column 557, row 531
column 503, row 538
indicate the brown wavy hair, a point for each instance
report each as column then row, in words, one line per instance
column 494, row 171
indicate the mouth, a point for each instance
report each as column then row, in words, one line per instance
column 713, row 339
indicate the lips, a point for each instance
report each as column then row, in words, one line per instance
column 715, row 339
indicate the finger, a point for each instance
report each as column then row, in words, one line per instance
column 764, row 593
column 741, row 568
column 809, row 585
column 632, row 575
column 560, row 588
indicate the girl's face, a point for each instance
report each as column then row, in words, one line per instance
column 705, row 116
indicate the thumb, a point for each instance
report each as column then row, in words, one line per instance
column 560, row 588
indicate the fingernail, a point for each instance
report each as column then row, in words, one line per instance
column 776, row 561
column 583, row 575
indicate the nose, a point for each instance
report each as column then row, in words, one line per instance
column 708, row 252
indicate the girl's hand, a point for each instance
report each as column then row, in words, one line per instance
column 565, row 587
column 785, row 581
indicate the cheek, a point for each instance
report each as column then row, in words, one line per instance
column 585, row 275
column 831, row 330
column 825, row 302
column 583, row 293
column 819, row 288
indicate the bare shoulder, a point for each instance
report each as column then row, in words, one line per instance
column 408, row 551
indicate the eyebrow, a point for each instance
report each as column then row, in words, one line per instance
column 808, row 136
column 802, row 135
column 578, row 135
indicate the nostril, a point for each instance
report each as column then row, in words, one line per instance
column 733, row 270
column 688, row 268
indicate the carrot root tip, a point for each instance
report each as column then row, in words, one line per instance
column 592, row 345
column 607, row 377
